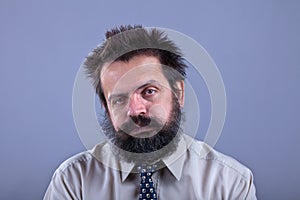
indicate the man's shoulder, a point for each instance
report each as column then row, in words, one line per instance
column 212, row 167
column 80, row 160
column 74, row 161
column 206, row 154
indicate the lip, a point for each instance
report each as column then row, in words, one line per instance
column 143, row 132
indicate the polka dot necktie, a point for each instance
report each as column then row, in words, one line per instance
column 147, row 190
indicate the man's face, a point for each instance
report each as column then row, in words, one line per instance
column 139, row 97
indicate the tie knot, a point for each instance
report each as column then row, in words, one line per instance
column 146, row 168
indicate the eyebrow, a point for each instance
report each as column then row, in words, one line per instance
column 140, row 87
column 148, row 83
column 113, row 96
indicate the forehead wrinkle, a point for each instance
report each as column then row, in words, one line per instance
column 132, row 61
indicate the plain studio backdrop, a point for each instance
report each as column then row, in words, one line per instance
column 255, row 45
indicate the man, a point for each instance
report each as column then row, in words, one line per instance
column 139, row 77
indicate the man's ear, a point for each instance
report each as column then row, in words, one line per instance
column 180, row 92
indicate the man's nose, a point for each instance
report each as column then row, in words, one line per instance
column 136, row 106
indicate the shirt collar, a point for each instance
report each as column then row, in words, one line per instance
column 174, row 162
column 103, row 153
column 125, row 173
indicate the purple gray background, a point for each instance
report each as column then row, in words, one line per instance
column 255, row 45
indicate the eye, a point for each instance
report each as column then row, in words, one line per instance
column 149, row 91
column 118, row 101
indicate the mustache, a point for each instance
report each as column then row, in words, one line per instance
column 140, row 121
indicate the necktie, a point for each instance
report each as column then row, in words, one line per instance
column 147, row 190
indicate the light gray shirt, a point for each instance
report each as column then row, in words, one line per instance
column 194, row 171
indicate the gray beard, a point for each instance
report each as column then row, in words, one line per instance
column 145, row 150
